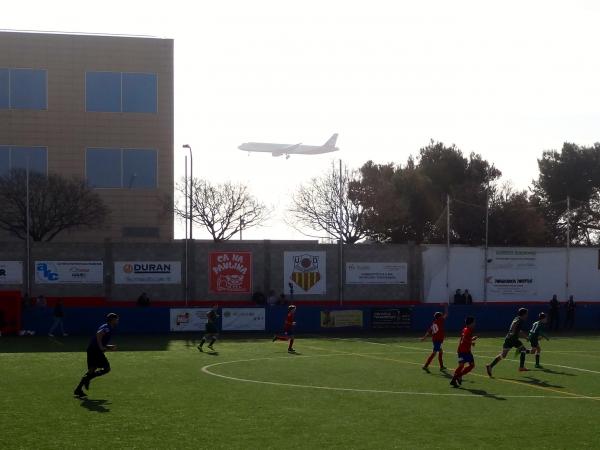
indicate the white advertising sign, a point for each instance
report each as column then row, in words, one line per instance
column 11, row 272
column 243, row 319
column 306, row 271
column 512, row 272
column 69, row 272
column 188, row 319
column 147, row 272
column 376, row 273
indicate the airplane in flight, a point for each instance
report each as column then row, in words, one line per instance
column 293, row 149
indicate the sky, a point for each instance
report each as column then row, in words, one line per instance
column 505, row 79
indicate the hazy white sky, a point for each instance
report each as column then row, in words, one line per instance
column 505, row 79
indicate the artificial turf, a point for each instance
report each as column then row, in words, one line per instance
column 350, row 393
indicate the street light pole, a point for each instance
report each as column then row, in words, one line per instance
column 187, row 272
column 191, row 184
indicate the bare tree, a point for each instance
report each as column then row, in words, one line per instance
column 56, row 204
column 224, row 209
column 324, row 206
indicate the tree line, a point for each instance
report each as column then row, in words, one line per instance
column 400, row 203
column 391, row 202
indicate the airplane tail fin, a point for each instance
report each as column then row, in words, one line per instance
column 332, row 140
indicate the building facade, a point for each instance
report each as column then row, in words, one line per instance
column 96, row 107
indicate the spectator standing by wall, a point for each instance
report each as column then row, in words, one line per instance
column 258, row 297
column 554, row 313
column 459, row 298
column 143, row 300
column 58, row 314
column 41, row 301
column 570, row 307
column 272, row 299
column 468, row 297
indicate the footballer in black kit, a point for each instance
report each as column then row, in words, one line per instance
column 97, row 362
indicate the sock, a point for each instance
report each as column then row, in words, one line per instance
column 440, row 358
column 467, row 369
column 202, row 342
column 81, row 383
column 522, row 360
column 458, row 372
column 537, row 359
column 212, row 342
column 429, row 359
column 496, row 361
column 291, row 344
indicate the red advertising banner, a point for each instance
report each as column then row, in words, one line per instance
column 230, row 272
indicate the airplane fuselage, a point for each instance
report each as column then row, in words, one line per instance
column 290, row 149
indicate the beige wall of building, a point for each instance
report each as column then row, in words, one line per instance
column 67, row 130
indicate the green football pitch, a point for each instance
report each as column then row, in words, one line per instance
column 349, row 393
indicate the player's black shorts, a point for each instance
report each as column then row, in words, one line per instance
column 211, row 328
column 96, row 359
column 534, row 340
column 512, row 342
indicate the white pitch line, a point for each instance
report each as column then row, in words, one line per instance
column 206, row 370
column 476, row 353
column 379, row 343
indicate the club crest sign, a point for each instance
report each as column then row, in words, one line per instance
column 306, row 271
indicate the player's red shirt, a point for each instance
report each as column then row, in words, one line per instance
column 437, row 330
column 289, row 321
column 466, row 340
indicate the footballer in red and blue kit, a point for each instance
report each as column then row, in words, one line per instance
column 437, row 333
column 288, row 329
column 467, row 340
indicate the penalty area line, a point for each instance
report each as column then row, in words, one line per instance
column 207, row 371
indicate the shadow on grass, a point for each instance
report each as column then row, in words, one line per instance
column 95, row 405
column 483, row 393
column 555, row 372
column 536, row 382
column 127, row 343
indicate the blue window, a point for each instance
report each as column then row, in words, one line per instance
column 12, row 158
column 121, row 92
column 35, row 157
column 28, row 89
column 139, row 168
column 23, row 89
column 103, row 91
column 103, row 167
column 139, row 92
column 4, row 83
column 121, row 168
column 4, row 160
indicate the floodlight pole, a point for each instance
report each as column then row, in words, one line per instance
column 191, row 187
column 448, row 247
column 27, row 220
column 485, row 263
column 341, row 264
column 568, row 256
